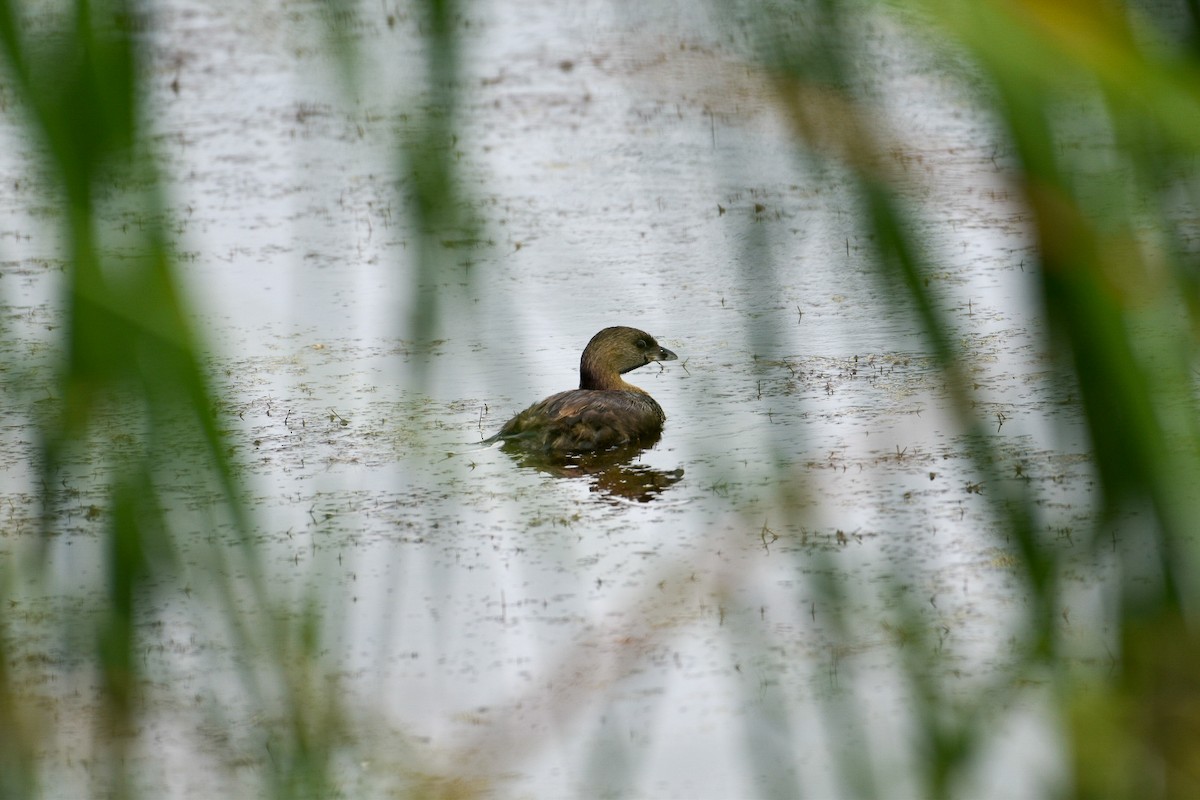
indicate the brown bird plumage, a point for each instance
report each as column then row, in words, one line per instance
column 605, row 411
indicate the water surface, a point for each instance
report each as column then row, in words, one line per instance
column 547, row 635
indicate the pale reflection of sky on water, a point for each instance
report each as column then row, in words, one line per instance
column 627, row 168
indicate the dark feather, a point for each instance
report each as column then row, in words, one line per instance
column 605, row 411
column 586, row 419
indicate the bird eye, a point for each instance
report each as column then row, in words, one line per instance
column 641, row 343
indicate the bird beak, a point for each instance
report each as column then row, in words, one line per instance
column 663, row 354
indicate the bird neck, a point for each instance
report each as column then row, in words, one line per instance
column 593, row 376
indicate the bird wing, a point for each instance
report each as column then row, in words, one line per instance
column 585, row 419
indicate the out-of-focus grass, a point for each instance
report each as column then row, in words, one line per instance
column 1118, row 267
column 128, row 344
column 1118, row 289
column 79, row 82
column 1119, row 274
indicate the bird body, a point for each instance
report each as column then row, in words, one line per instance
column 605, row 411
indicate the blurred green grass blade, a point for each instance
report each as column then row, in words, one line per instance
column 1077, row 45
column 427, row 158
column 18, row 733
column 129, row 345
column 79, row 90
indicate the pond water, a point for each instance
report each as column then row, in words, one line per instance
column 568, row 636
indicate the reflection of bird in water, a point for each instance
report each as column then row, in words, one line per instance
column 599, row 428
column 605, row 411
column 610, row 471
